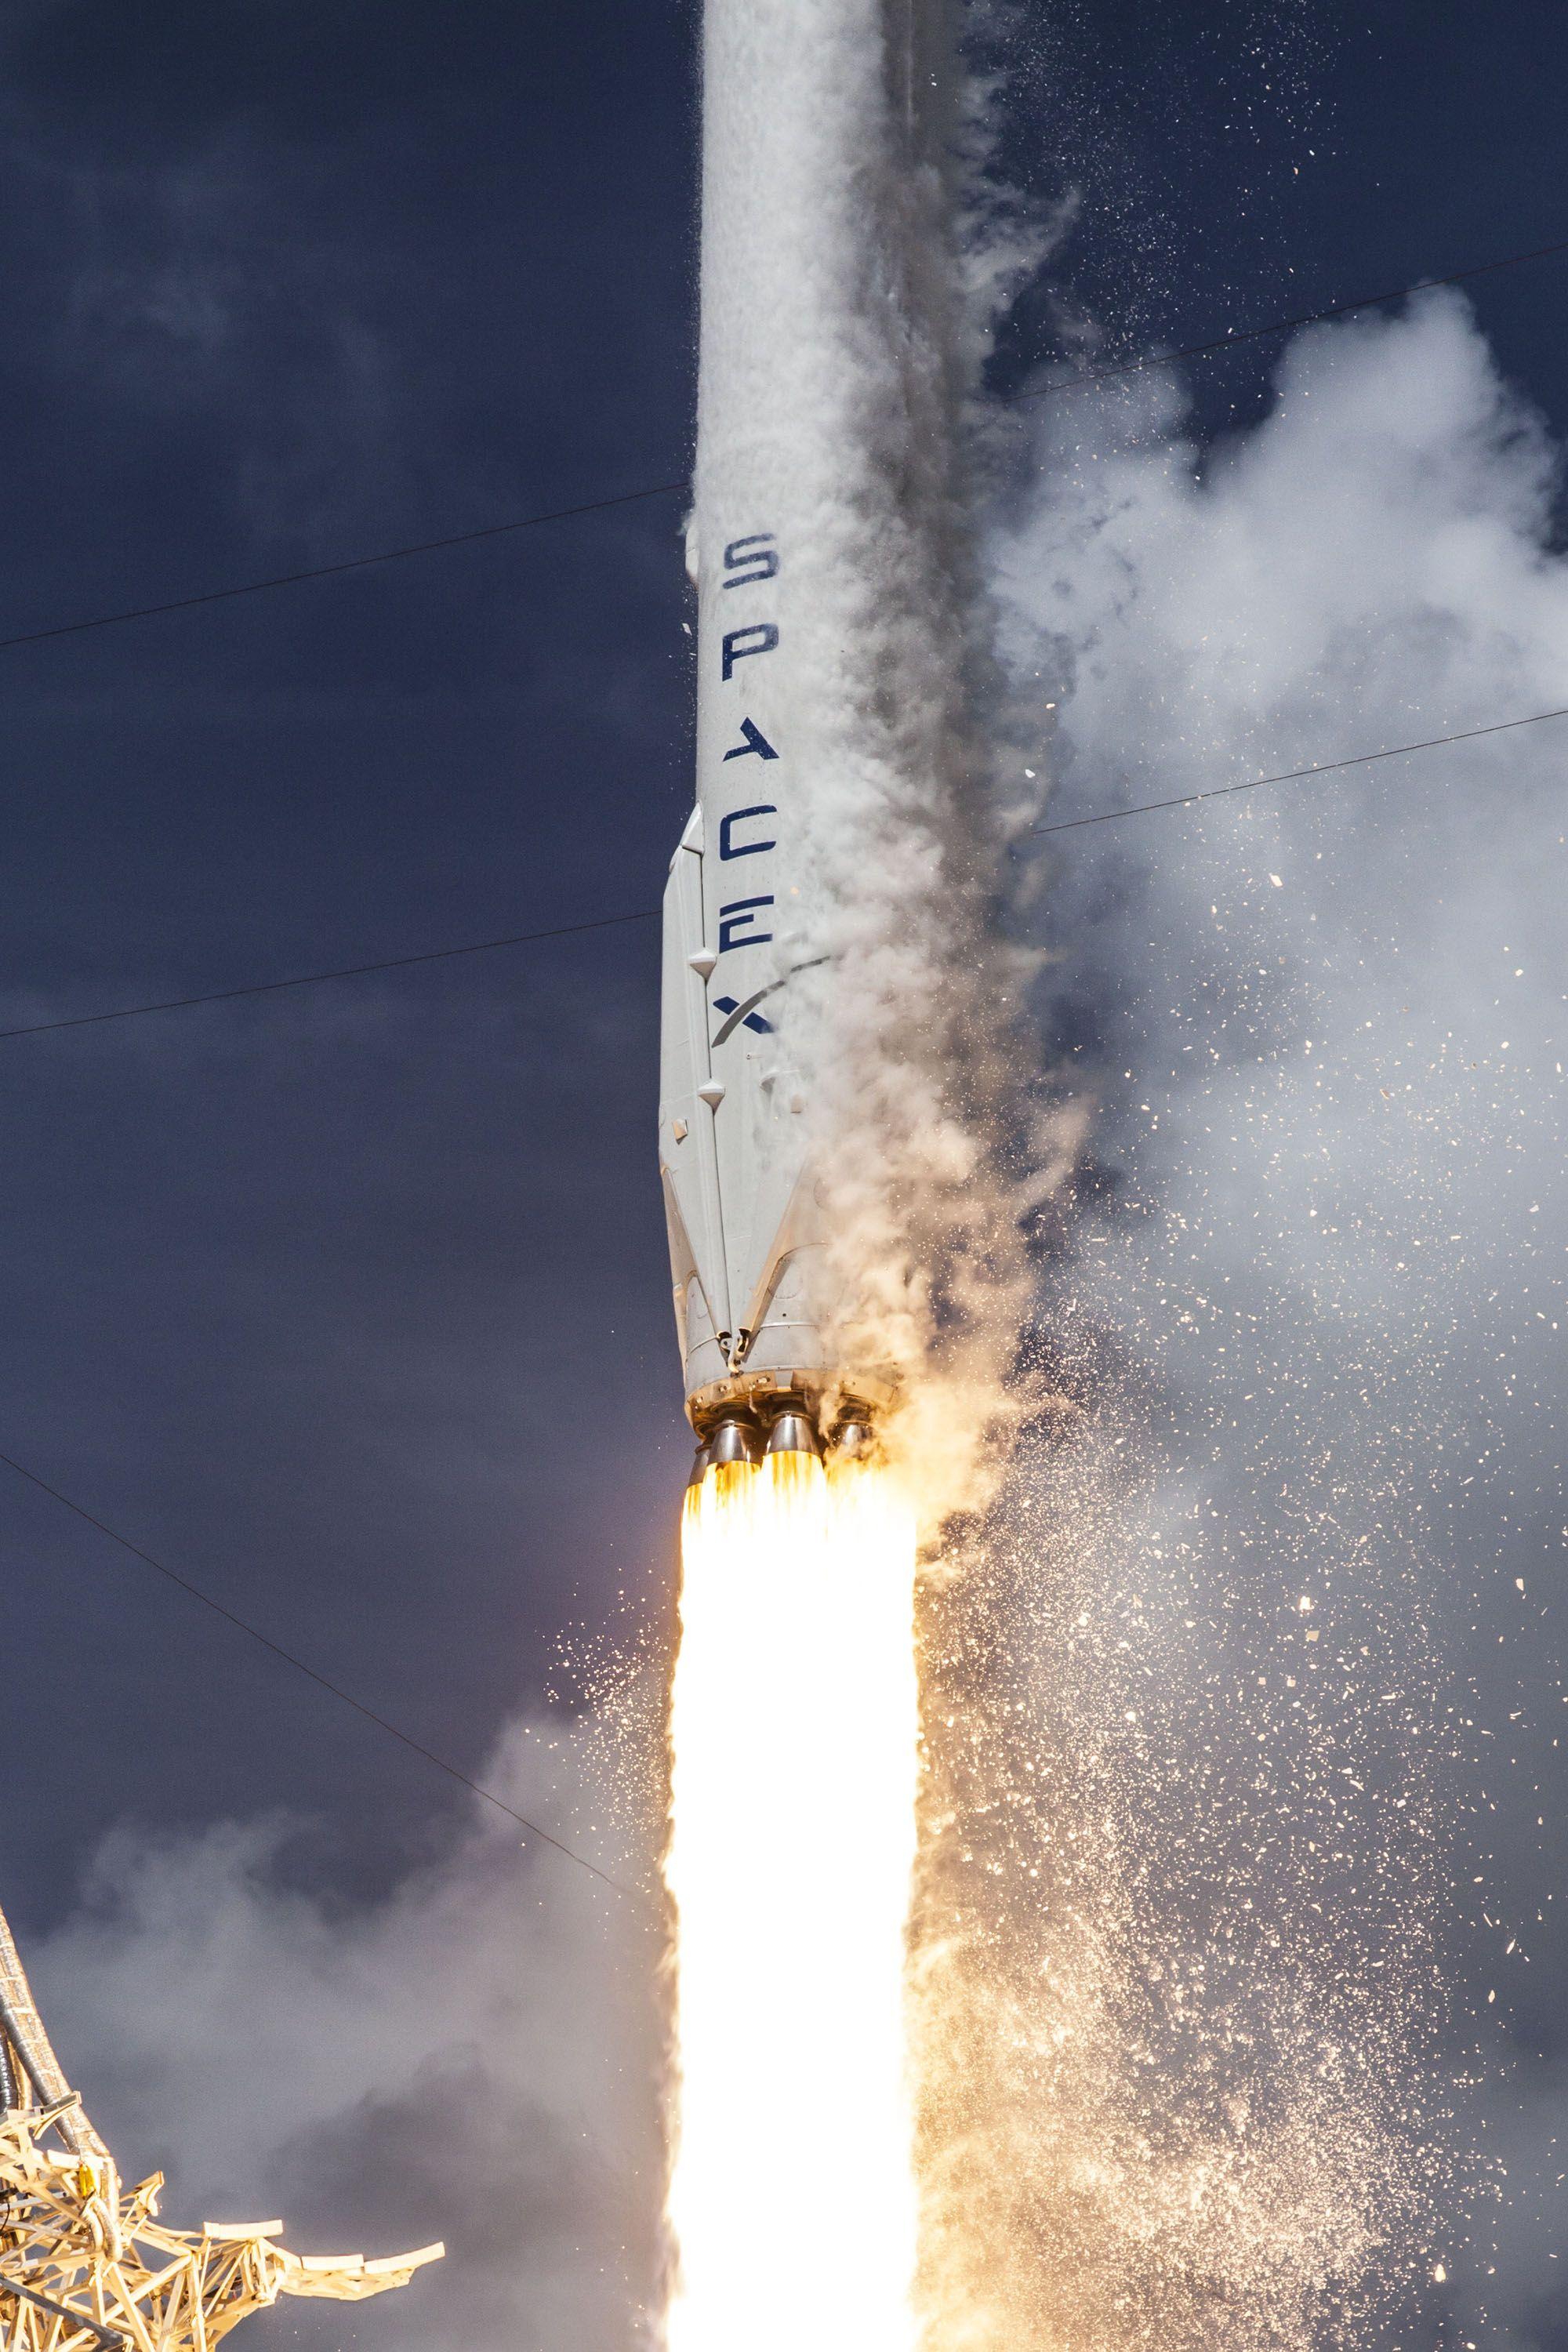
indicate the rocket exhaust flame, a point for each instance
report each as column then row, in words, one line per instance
column 793, row 1736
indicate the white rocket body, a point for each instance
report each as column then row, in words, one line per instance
column 805, row 357
column 740, row 1200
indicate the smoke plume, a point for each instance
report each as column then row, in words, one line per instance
column 476, row 2057
column 1256, row 1626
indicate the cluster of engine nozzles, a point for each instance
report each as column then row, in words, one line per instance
column 743, row 1438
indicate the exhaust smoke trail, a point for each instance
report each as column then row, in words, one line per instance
column 793, row 1736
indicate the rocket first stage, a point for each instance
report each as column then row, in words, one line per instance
column 740, row 1198
column 804, row 356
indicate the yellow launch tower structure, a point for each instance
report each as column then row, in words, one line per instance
column 86, row 2265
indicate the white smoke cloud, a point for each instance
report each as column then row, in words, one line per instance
column 476, row 2057
column 1251, row 1636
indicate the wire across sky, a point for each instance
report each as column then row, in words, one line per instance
column 649, row 914
column 1111, row 371
column 335, row 1690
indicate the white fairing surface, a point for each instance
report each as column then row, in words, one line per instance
column 732, row 1127
column 804, row 361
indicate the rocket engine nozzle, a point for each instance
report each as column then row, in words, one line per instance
column 854, row 1439
column 745, row 1436
column 734, row 1440
column 792, row 1433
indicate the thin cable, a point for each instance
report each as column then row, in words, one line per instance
column 289, row 1658
column 1298, row 775
column 353, row 564
column 670, row 489
column 650, row 914
column 347, row 971
column 1229, row 342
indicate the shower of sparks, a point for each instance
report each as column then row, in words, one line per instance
column 794, row 1736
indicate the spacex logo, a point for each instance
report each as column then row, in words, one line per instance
column 749, row 561
column 745, row 1016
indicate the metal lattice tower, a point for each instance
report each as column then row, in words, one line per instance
column 86, row 2265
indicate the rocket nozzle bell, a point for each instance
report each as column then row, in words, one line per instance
column 793, row 1433
column 731, row 1442
column 700, row 1466
column 852, row 1442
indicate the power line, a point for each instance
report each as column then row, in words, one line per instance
column 1299, row 775
column 669, row 490
column 346, row 972
column 336, row 1690
column 1229, row 342
column 351, row 563
column 650, row 914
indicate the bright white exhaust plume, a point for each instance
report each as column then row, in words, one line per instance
column 795, row 1727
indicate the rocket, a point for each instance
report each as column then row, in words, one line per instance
column 801, row 97
column 740, row 1205
column 795, row 97
column 741, row 1198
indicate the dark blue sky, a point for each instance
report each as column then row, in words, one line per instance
column 353, row 1305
